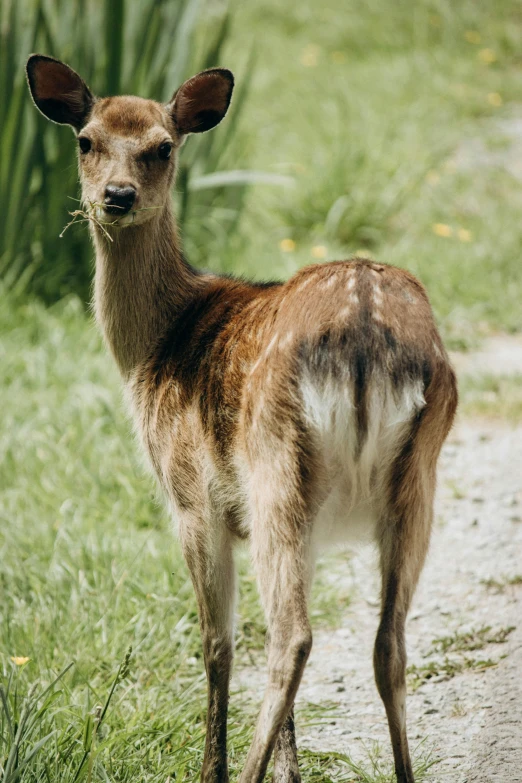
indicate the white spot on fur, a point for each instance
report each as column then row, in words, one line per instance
column 378, row 297
column 286, row 340
column 350, row 284
column 304, row 284
column 271, row 345
column 378, row 300
column 256, row 365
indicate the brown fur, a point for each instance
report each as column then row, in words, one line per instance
column 223, row 378
column 126, row 115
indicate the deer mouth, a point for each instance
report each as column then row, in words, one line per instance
column 115, row 217
column 114, row 209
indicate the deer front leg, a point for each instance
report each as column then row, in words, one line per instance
column 211, row 566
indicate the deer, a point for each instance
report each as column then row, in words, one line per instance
column 285, row 414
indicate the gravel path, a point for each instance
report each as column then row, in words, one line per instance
column 466, row 712
column 497, row 749
column 499, row 354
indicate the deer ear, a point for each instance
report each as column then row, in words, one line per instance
column 202, row 102
column 61, row 95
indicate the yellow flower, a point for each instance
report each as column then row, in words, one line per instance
column 487, row 56
column 19, row 660
column 319, row 251
column 287, row 245
column 310, row 55
column 432, row 177
column 442, row 230
column 473, row 36
column 464, row 235
column 495, row 99
column 338, row 57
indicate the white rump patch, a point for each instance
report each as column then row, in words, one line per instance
column 357, row 477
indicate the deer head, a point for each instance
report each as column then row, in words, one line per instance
column 127, row 146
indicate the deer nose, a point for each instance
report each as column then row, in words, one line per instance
column 118, row 200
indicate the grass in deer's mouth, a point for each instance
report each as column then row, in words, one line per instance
column 88, row 214
column 82, row 216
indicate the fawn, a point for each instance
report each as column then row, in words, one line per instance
column 289, row 414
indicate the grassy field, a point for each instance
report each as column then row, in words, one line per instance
column 395, row 126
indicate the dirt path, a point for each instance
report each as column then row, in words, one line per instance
column 467, row 712
column 497, row 749
column 498, row 355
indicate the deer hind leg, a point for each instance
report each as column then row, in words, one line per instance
column 404, row 539
column 210, row 560
column 398, row 583
column 286, row 767
column 283, row 568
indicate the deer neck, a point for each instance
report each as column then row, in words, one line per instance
column 141, row 281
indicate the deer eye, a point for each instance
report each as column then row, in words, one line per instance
column 164, row 150
column 85, row 144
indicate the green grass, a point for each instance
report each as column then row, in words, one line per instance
column 476, row 639
column 447, row 668
column 492, row 396
column 502, row 584
column 340, row 768
column 454, row 650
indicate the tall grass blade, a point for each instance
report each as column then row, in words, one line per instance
column 114, row 26
column 239, row 177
